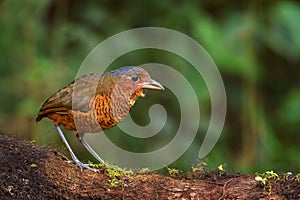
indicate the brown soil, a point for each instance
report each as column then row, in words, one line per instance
column 31, row 172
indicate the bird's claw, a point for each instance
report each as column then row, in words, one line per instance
column 83, row 165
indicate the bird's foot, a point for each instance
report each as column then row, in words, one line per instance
column 83, row 165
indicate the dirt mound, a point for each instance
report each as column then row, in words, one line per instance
column 31, row 172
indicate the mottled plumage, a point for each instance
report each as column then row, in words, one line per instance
column 95, row 102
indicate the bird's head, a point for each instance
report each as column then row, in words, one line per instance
column 133, row 80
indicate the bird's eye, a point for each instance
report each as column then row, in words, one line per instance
column 134, row 78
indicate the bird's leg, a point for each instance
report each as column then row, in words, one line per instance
column 88, row 147
column 74, row 158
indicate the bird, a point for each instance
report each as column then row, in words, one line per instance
column 96, row 102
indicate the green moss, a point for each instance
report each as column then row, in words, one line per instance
column 116, row 174
column 173, row 172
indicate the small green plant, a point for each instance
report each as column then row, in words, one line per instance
column 200, row 167
column 173, row 172
column 144, row 170
column 221, row 167
column 115, row 175
column 264, row 179
column 271, row 175
column 97, row 166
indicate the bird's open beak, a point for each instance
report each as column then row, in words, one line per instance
column 152, row 85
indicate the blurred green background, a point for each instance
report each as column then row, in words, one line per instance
column 255, row 44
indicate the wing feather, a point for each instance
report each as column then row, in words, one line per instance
column 77, row 95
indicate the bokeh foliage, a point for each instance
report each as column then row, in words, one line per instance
column 255, row 44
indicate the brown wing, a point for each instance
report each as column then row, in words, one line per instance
column 76, row 95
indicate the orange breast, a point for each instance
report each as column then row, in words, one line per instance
column 105, row 112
